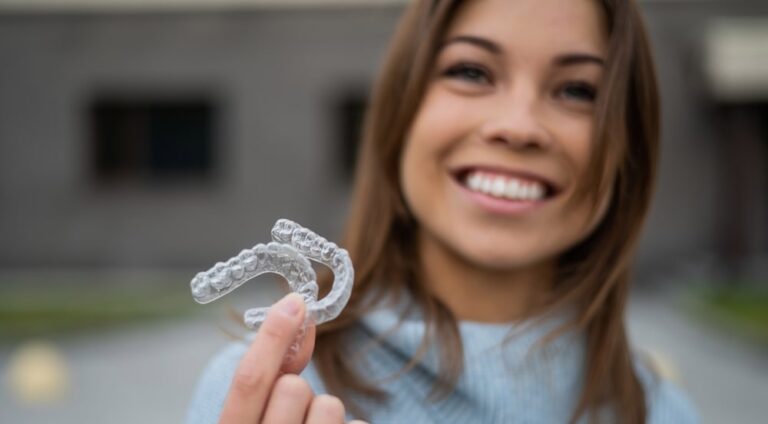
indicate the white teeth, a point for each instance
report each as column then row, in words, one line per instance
column 505, row 187
column 513, row 189
column 499, row 185
column 486, row 185
column 474, row 182
column 537, row 191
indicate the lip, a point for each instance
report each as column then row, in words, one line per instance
column 500, row 206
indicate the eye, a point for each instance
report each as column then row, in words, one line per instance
column 468, row 72
column 579, row 91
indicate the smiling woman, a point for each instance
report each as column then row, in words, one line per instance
column 505, row 108
column 506, row 170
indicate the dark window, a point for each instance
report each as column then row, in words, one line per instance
column 152, row 139
column 350, row 111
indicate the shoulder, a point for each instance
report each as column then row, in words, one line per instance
column 667, row 402
column 213, row 385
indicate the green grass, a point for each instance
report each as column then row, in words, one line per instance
column 743, row 310
column 45, row 310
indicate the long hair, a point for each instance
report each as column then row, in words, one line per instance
column 593, row 275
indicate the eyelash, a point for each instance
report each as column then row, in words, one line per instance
column 472, row 73
column 462, row 71
column 587, row 92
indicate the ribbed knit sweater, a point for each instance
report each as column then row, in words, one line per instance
column 504, row 380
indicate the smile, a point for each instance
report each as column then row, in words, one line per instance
column 503, row 186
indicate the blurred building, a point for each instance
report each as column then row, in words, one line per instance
column 149, row 134
column 712, row 197
column 171, row 134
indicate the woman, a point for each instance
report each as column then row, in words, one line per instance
column 507, row 167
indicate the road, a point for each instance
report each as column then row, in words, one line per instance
column 146, row 374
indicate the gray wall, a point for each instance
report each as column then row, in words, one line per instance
column 690, row 210
column 276, row 75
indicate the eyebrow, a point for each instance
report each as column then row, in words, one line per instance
column 483, row 43
column 566, row 59
column 578, row 58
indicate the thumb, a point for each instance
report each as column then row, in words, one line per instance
column 301, row 352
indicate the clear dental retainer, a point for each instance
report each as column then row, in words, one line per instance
column 288, row 255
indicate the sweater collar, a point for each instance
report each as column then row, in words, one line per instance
column 486, row 346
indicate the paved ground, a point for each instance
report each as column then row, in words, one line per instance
column 140, row 374
column 146, row 374
column 726, row 378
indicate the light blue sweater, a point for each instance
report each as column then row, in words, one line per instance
column 501, row 383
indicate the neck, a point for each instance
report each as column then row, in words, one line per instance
column 476, row 293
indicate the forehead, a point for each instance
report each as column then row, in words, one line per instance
column 541, row 25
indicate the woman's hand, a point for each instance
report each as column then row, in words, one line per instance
column 265, row 388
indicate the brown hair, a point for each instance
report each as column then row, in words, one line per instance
column 594, row 275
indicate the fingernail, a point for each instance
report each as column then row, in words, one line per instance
column 291, row 304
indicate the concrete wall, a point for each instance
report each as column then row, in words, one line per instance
column 689, row 211
column 275, row 75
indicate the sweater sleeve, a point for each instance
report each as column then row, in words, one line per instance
column 213, row 385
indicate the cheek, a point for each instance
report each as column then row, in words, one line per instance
column 575, row 146
column 414, row 171
column 578, row 133
column 433, row 132
column 441, row 119
column 579, row 221
column 602, row 210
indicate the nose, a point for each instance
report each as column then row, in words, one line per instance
column 516, row 122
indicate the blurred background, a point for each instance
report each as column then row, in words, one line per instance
column 142, row 141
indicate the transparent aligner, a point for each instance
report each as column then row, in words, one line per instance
column 288, row 255
column 327, row 253
column 281, row 259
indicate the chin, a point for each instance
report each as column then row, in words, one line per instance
column 500, row 258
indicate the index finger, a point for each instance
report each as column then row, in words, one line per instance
column 261, row 364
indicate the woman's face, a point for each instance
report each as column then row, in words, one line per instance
column 504, row 132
